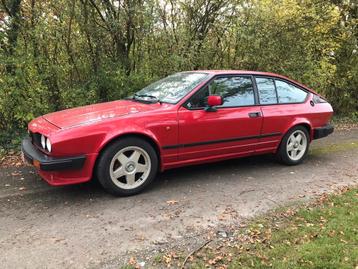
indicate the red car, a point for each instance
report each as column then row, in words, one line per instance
column 184, row 119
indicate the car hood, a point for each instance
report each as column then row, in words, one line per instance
column 97, row 112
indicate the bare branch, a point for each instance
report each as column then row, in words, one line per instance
column 99, row 13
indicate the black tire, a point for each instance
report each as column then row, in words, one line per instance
column 104, row 165
column 282, row 153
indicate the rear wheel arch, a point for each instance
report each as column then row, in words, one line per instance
column 305, row 124
column 283, row 153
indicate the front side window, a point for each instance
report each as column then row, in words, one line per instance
column 172, row 88
column 288, row 93
column 235, row 91
column 267, row 91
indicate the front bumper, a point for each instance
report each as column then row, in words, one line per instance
column 47, row 163
column 323, row 131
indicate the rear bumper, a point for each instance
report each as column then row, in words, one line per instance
column 47, row 163
column 323, row 131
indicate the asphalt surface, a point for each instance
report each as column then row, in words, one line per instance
column 83, row 227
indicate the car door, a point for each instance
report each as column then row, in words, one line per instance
column 281, row 103
column 231, row 129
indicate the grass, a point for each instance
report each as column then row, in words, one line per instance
column 331, row 148
column 321, row 236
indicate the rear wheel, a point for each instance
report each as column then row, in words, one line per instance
column 127, row 166
column 294, row 146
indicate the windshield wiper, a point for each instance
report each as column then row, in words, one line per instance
column 144, row 97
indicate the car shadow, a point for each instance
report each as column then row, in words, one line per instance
column 165, row 182
column 216, row 168
column 203, row 173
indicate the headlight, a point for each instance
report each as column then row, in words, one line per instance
column 48, row 145
column 43, row 141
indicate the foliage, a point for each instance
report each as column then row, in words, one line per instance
column 322, row 234
column 60, row 54
column 315, row 237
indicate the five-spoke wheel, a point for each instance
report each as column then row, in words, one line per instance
column 294, row 146
column 127, row 166
column 130, row 167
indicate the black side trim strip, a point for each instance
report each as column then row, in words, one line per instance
column 220, row 141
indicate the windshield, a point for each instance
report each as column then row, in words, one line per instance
column 172, row 88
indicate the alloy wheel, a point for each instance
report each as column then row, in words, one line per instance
column 296, row 145
column 130, row 167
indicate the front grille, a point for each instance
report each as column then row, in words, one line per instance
column 36, row 139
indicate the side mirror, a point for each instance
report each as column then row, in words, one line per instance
column 214, row 100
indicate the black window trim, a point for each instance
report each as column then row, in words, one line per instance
column 256, row 100
column 258, row 93
column 283, row 80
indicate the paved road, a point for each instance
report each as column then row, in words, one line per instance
column 81, row 226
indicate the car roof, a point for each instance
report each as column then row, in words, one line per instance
column 249, row 72
column 241, row 72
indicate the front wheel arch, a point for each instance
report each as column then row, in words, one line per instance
column 146, row 138
column 105, row 161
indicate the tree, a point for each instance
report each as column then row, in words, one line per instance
column 65, row 53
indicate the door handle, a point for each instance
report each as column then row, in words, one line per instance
column 254, row 114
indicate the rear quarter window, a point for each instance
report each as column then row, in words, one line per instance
column 288, row 93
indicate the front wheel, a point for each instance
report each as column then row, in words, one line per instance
column 294, row 146
column 127, row 166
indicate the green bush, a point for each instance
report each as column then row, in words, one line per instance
column 51, row 60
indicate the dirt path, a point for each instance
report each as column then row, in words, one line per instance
column 81, row 226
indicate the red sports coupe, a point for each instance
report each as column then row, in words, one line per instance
column 184, row 119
